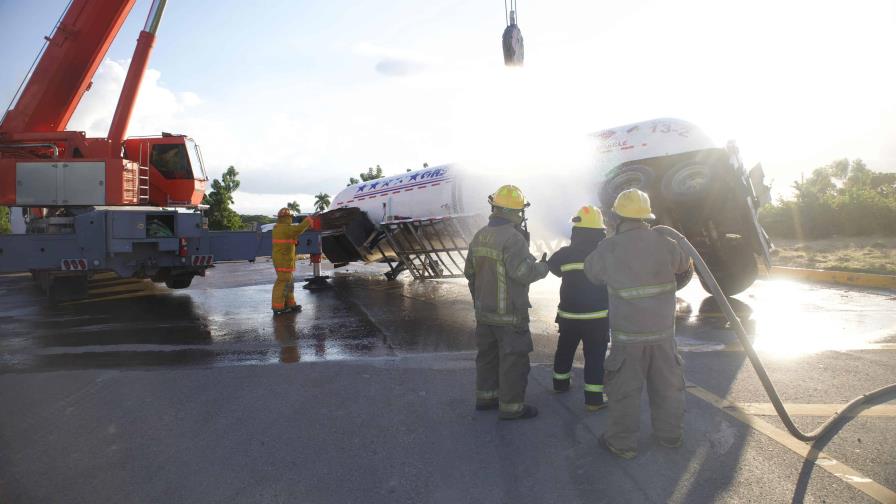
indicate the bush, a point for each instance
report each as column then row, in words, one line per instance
column 843, row 198
column 4, row 220
column 858, row 212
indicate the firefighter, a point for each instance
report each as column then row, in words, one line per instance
column 638, row 265
column 499, row 269
column 283, row 253
column 582, row 313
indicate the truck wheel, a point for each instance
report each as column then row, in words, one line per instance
column 682, row 279
column 690, row 182
column 632, row 176
column 735, row 273
column 179, row 281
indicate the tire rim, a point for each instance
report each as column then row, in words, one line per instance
column 691, row 180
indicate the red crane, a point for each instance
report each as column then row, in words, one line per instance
column 46, row 166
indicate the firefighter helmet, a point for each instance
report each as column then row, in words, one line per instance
column 590, row 217
column 633, row 204
column 508, row 196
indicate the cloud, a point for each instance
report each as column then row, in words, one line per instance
column 157, row 109
column 392, row 67
column 392, row 62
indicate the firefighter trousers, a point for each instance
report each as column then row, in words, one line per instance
column 628, row 367
column 594, row 336
column 502, row 365
column 283, row 293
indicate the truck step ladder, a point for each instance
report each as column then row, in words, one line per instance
column 433, row 247
column 143, row 184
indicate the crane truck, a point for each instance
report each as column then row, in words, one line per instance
column 127, row 205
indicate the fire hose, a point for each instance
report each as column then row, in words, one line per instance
column 767, row 384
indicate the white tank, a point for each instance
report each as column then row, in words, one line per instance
column 649, row 139
column 431, row 192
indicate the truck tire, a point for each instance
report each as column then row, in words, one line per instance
column 179, row 281
column 682, row 279
column 633, row 176
column 691, row 182
column 735, row 273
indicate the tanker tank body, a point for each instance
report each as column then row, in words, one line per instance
column 421, row 221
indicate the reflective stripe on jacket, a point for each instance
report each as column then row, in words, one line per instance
column 638, row 265
column 283, row 243
column 499, row 269
column 580, row 299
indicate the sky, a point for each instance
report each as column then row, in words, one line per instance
column 301, row 95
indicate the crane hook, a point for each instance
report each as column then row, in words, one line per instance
column 512, row 39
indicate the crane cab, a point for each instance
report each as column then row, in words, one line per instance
column 176, row 174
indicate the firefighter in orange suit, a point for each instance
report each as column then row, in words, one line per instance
column 283, row 253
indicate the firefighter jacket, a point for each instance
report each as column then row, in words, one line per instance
column 638, row 265
column 499, row 269
column 283, row 242
column 579, row 298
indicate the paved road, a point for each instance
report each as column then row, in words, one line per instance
column 142, row 394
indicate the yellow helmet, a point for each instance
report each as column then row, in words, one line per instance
column 633, row 204
column 284, row 212
column 508, row 196
column 590, row 217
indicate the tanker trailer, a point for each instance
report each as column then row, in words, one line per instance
column 420, row 221
column 695, row 186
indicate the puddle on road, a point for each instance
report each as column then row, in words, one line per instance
column 364, row 316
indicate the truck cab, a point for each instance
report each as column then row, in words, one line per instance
column 696, row 187
column 176, row 172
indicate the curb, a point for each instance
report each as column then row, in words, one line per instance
column 868, row 280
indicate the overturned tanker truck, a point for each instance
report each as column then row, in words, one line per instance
column 422, row 221
column 696, row 187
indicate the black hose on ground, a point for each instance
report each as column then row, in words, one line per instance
column 754, row 359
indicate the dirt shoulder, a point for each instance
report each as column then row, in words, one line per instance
column 865, row 254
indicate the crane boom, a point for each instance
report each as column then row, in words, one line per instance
column 65, row 70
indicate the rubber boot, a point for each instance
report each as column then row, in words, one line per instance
column 594, row 401
column 561, row 385
column 670, row 443
column 624, row 454
column 527, row 412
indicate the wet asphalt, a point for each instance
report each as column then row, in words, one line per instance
column 144, row 394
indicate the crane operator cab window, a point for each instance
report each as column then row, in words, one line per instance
column 177, row 161
column 171, row 161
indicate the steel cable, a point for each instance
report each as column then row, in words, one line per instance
column 754, row 358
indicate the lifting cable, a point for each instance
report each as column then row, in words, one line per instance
column 511, row 16
column 767, row 384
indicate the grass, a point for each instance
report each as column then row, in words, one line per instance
column 868, row 254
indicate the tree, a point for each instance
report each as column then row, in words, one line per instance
column 294, row 207
column 220, row 215
column 370, row 174
column 5, row 226
column 321, row 202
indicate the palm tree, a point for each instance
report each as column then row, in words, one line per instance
column 294, row 207
column 321, row 202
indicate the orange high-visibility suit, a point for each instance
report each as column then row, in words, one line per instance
column 283, row 254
